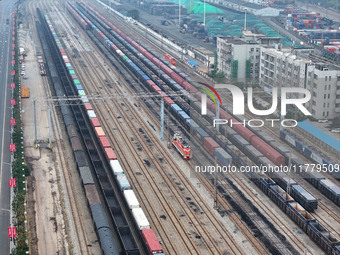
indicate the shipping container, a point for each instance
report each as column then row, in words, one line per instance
column 210, row 145
column 183, row 116
column 84, row 99
column 88, row 106
column 200, row 134
column 99, row 131
column 115, row 167
column 123, row 182
column 175, row 108
column 95, row 122
column 223, row 157
column 140, row 218
column 151, row 241
column 110, row 154
column 91, row 114
column 104, row 142
column 131, row 199
column 241, row 140
column 81, row 93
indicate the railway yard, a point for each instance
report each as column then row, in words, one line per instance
column 104, row 181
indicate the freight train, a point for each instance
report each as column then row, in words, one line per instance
column 208, row 143
column 327, row 187
column 225, row 158
column 257, row 142
column 314, row 229
column 101, row 223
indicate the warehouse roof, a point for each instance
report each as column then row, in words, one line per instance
column 318, row 133
column 192, row 63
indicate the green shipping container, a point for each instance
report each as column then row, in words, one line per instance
column 76, row 81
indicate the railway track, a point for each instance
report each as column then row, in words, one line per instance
column 271, row 131
column 76, row 226
column 212, row 252
column 209, row 241
column 221, row 180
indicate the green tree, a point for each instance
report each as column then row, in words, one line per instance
column 133, row 14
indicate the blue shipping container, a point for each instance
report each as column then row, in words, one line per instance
column 223, row 157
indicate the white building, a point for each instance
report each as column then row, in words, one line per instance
column 239, row 57
column 282, row 68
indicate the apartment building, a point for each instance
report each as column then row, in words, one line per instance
column 286, row 68
column 239, row 57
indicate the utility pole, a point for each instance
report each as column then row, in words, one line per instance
column 215, row 186
column 35, row 123
column 162, row 119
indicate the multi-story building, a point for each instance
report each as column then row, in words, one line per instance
column 284, row 68
column 239, row 57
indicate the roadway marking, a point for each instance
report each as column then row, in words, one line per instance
column 3, row 126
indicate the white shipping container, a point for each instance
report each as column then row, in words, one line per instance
column 131, row 199
column 115, row 167
column 91, row 114
column 140, row 218
column 84, row 99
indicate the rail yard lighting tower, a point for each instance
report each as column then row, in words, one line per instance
column 179, row 15
column 204, row 13
column 245, row 19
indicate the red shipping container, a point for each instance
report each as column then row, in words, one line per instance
column 168, row 100
column 14, row 182
column 110, row 154
column 99, row 131
column 88, row 106
column 104, row 142
column 151, row 241
column 12, row 72
column 13, row 52
column 10, row 235
column 13, row 101
column 150, row 83
column 10, row 182
column 13, row 39
column 13, row 122
column 13, row 61
column 12, row 85
column 210, row 145
column 95, row 122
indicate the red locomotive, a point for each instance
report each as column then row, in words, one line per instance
column 182, row 146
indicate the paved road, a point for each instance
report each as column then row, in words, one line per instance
column 4, row 124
